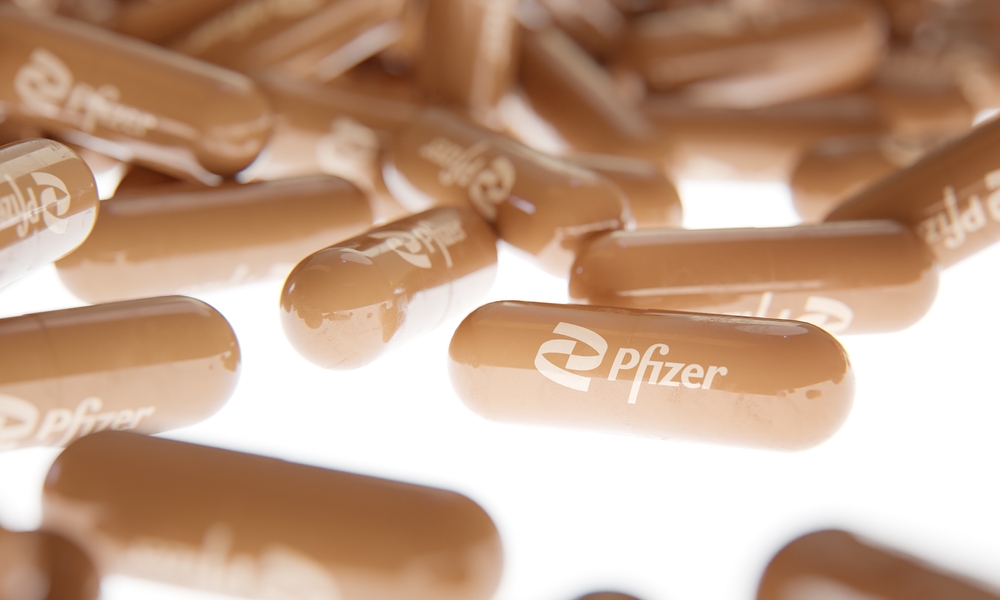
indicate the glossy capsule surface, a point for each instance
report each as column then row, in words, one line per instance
column 48, row 204
column 541, row 205
column 147, row 365
column 260, row 527
column 129, row 98
column 182, row 237
column 730, row 380
column 838, row 564
column 860, row 277
column 39, row 565
column 345, row 305
column 652, row 198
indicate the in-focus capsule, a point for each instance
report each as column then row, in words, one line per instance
column 345, row 305
column 256, row 527
column 39, row 565
column 148, row 365
column 541, row 205
column 743, row 381
column 48, row 204
column 861, row 277
column 837, row 564
column 178, row 238
column 129, row 99
column 950, row 198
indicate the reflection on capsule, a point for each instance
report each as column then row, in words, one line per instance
column 147, row 365
column 345, row 305
column 256, row 527
column 39, row 565
column 859, row 277
column 731, row 380
column 48, row 204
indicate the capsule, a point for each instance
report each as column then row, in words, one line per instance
column 718, row 56
column 541, row 205
column 652, row 198
column 597, row 25
column 147, row 365
column 838, row 564
column 607, row 596
column 159, row 22
column 950, row 198
column 48, row 205
column 783, row 385
column 129, row 99
column 39, row 565
column 256, row 527
column 859, row 277
column 184, row 237
column 345, row 305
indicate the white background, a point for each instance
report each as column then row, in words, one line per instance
column 915, row 466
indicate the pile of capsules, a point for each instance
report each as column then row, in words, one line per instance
column 372, row 153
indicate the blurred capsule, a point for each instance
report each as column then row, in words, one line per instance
column 607, row 596
column 39, row 565
column 652, row 198
column 596, row 25
column 160, row 21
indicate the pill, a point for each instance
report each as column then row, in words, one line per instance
column 835, row 169
column 257, row 527
column 108, row 172
column 950, row 198
column 469, row 54
column 652, row 198
column 544, row 206
column 159, row 21
column 597, row 25
column 838, row 564
column 129, row 99
column 852, row 277
column 39, row 565
column 607, row 596
column 147, row 365
column 138, row 176
column 345, row 305
column 718, row 56
column 183, row 238
column 48, row 204
column 737, row 380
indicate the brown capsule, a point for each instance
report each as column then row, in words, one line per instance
column 542, row 205
column 860, row 277
column 140, row 177
column 159, row 21
column 950, row 198
column 345, row 305
column 837, row 564
column 837, row 168
column 718, row 56
column 129, row 99
column 783, row 385
column 108, row 172
column 39, row 565
column 596, row 25
column 257, row 527
column 148, row 365
column 652, row 198
column 180, row 238
column 469, row 54
column 48, row 204
column 607, row 596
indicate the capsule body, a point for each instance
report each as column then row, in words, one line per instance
column 950, row 198
column 730, row 380
column 184, row 237
column 837, row 564
column 544, row 206
column 48, row 204
column 158, row 21
column 861, row 277
column 148, row 365
column 652, row 198
column 345, row 305
column 129, row 99
column 258, row 527
column 39, row 565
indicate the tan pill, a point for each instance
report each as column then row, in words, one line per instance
column 652, row 198
column 541, row 205
column 860, row 277
column 48, row 204
column 718, row 56
column 738, row 381
column 148, row 365
column 950, row 198
column 129, row 99
column 39, row 565
column 596, row 25
column 159, row 21
column 182, row 238
column 837, row 564
column 256, row 527
column 345, row 305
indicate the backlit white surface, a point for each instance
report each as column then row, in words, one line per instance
column 916, row 465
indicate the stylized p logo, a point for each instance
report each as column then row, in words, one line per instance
column 575, row 362
column 17, row 420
